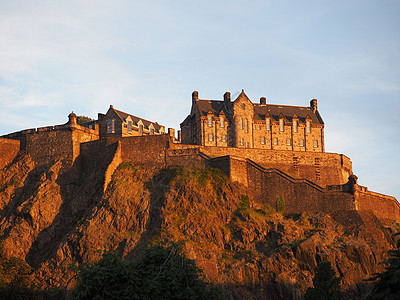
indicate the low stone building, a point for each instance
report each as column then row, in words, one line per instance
column 116, row 123
column 244, row 124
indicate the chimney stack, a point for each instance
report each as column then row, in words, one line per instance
column 263, row 101
column 195, row 95
column 227, row 97
column 313, row 105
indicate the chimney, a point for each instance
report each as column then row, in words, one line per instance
column 195, row 95
column 263, row 101
column 171, row 133
column 313, row 105
column 227, row 97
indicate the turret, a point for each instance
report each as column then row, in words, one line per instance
column 72, row 118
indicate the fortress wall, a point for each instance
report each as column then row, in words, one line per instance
column 8, row 151
column 46, row 145
column 143, row 149
column 321, row 168
column 384, row 207
column 300, row 195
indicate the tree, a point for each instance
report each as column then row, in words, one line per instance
column 326, row 285
column 388, row 282
column 157, row 273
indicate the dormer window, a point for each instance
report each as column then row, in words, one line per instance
column 129, row 126
column 210, row 121
column 295, row 129
column 140, row 129
column 151, row 131
column 111, row 126
column 268, row 122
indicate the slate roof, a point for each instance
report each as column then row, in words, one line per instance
column 216, row 106
column 146, row 123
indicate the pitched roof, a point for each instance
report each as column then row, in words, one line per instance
column 146, row 123
column 288, row 111
column 216, row 106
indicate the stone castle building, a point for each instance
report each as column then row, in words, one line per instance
column 274, row 150
column 243, row 124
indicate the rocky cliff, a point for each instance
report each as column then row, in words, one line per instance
column 54, row 218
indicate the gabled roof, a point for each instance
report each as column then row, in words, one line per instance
column 216, row 106
column 123, row 116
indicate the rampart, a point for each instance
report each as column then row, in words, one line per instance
column 49, row 143
column 309, row 182
column 8, row 151
column 322, row 168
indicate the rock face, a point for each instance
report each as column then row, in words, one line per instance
column 53, row 220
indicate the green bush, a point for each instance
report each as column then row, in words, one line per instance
column 326, row 284
column 157, row 273
column 280, row 204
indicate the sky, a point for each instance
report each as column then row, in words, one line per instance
column 147, row 57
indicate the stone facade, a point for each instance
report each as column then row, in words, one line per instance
column 116, row 123
column 243, row 124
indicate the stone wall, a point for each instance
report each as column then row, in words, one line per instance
column 386, row 208
column 321, row 168
column 8, row 151
column 146, row 149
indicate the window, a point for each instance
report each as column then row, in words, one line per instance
column 242, row 142
column 294, row 126
column 247, row 144
column 281, row 125
column 210, row 137
column 151, row 131
column 288, row 142
column 111, row 126
column 263, row 140
column 275, row 141
column 243, row 106
column 268, row 124
column 241, row 123
column 259, row 127
column 315, row 144
column 129, row 126
column 210, row 121
column 222, row 121
column 301, row 143
column 224, row 138
column 308, row 124
column 140, row 129
column 247, row 126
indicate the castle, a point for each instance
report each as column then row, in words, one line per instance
column 275, row 150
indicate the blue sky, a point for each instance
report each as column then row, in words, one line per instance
column 146, row 58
